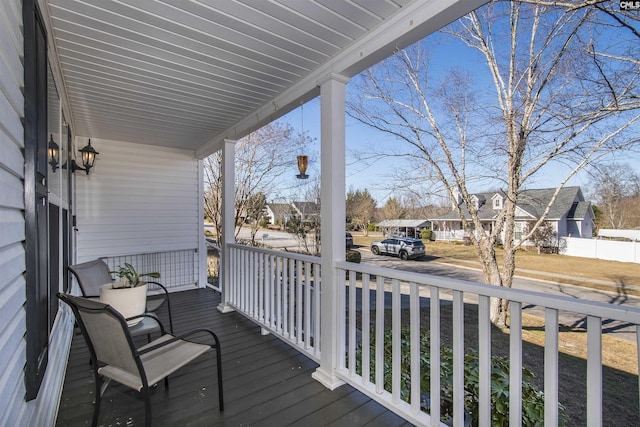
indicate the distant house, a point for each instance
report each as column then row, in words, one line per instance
column 279, row 213
column 570, row 215
column 403, row 227
column 306, row 210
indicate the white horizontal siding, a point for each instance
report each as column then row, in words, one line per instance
column 137, row 199
column 12, row 254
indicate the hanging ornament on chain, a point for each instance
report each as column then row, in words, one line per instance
column 303, row 160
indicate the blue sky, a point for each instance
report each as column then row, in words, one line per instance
column 374, row 177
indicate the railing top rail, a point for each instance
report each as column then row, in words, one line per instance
column 165, row 251
column 282, row 254
column 558, row 302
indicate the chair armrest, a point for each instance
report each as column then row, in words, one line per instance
column 151, row 316
column 160, row 286
column 180, row 338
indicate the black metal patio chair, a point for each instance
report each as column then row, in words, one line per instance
column 115, row 357
column 93, row 274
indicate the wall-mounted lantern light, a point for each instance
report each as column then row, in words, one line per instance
column 303, row 162
column 54, row 153
column 88, row 154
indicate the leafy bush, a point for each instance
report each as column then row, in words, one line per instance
column 532, row 397
column 426, row 234
column 371, row 226
column 353, row 256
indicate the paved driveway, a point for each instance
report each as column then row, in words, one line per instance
column 430, row 265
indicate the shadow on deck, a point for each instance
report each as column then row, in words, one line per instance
column 266, row 382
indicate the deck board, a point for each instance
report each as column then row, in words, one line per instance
column 266, row 382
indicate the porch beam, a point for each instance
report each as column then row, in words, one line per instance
column 332, row 218
column 228, row 221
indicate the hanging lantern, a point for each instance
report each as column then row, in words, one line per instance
column 303, row 162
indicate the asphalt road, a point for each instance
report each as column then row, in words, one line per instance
column 430, row 265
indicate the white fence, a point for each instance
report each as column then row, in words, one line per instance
column 450, row 235
column 601, row 249
column 625, row 234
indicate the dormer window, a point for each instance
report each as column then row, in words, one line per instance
column 497, row 201
column 477, row 201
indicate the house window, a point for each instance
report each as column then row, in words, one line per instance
column 517, row 231
column 497, row 203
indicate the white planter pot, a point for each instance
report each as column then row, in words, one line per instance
column 128, row 301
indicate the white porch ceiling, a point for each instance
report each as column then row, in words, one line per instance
column 190, row 73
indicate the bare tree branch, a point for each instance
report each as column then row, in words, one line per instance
column 564, row 87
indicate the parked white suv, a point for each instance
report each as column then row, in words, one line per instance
column 404, row 247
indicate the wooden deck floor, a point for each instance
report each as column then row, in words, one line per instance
column 266, row 382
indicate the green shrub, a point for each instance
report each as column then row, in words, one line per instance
column 532, row 397
column 353, row 256
column 371, row 226
column 426, row 234
column 263, row 223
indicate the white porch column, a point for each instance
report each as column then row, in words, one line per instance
column 202, row 244
column 228, row 222
column 332, row 216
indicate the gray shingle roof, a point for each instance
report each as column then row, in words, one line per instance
column 280, row 209
column 307, row 208
column 533, row 202
column 404, row 223
column 580, row 210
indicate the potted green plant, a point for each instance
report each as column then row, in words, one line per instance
column 129, row 294
column 129, row 277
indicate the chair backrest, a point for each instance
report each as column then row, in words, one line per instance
column 106, row 334
column 90, row 276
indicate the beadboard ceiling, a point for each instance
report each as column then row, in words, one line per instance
column 190, row 73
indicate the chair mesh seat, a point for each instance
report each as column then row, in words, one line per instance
column 158, row 363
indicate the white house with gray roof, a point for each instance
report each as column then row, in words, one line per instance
column 281, row 212
column 570, row 214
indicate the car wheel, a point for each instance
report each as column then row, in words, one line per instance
column 375, row 250
column 404, row 255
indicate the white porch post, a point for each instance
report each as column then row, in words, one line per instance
column 332, row 216
column 202, row 245
column 228, row 222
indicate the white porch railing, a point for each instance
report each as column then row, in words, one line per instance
column 274, row 289
column 277, row 290
column 449, row 235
